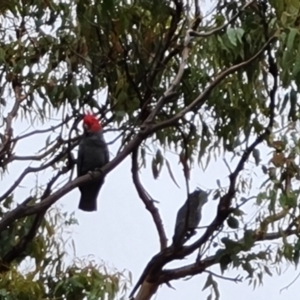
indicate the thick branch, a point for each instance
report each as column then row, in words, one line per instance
column 23, row 210
column 199, row 267
column 149, row 204
column 161, row 259
column 225, row 201
column 189, row 270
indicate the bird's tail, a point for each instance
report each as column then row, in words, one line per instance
column 89, row 195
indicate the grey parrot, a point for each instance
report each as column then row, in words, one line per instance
column 92, row 154
column 189, row 216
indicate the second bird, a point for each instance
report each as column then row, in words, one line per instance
column 92, row 154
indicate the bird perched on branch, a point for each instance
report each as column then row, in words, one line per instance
column 189, row 217
column 92, row 154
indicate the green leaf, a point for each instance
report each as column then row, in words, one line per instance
column 233, row 222
column 248, row 240
column 256, row 155
column 171, row 173
column 291, row 37
column 285, row 101
column 224, row 262
column 209, row 282
column 267, row 270
column 107, row 6
column 231, row 33
column 296, row 257
column 248, row 268
column 239, row 34
column 238, row 212
column 2, row 56
column 295, row 3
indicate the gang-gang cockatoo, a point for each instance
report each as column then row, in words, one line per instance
column 92, row 154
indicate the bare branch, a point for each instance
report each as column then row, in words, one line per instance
column 31, row 170
column 276, row 235
column 291, row 283
column 52, row 128
column 189, row 270
column 197, row 12
column 220, row 28
column 51, row 150
column 236, row 279
column 149, row 204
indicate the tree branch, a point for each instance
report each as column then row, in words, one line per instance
column 200, row 100
column 23, row 210
column 149, row 204
column 225, row 201
column 158, row 60
column 176, row 81
column 220, row 28
column 158, row 261
column 32, row 170
column 52, row 128
column 189, row 270
column 236, row 279
column 18, row 249
column 6, row 146
column 201, row 266
column 51, row 150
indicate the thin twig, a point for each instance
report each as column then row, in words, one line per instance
column 51, row 150
column 29, row 170
column 52, row 128
column 236, row 279
column 220, row 28
column 291, row 283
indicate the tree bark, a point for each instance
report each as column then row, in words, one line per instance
column 147, row 290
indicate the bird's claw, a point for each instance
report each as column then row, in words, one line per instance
column 92, row 173
column 99, row 170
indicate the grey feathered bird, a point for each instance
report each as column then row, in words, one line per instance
column 189, row 216
column 92, row 154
